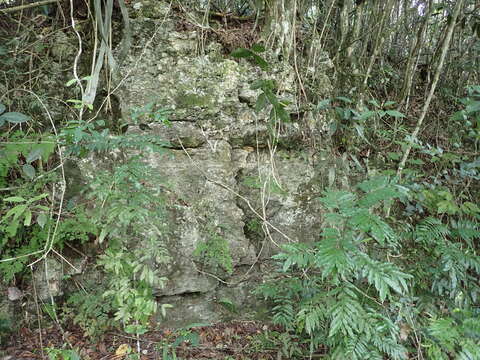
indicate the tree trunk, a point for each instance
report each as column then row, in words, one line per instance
column 445, row 46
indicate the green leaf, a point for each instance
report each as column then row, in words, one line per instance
column 16, row 199
column 472, row 107
column 366, row 115
column 374, row 183
column 242, row 53
column 258, row 84
column 260, row 62
column 38, row 197
column 344, row 99
column 14, row 117
column 28, row 218
column 29, row 171
column 323, row 104
column 2, row 108
column 35, row 154
column 228, row 304
column 394, row 155
column 282, row 114
column 373, row 197
column 258, row 48
column 261, row 103
column 17, row 211
column 459, row 115
column 42, row 219
column 70, row 82
column 102, row 236
column 448, row 207
column 395, row 113
column 135, row 329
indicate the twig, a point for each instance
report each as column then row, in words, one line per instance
column 27, row 6
column 35, row 297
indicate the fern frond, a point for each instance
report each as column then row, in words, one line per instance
column 333, row 255
column 299, row 254
column 469, row 350
column 375, row 183
column 283, row 314
column 356, row 348
column 389, row 346
column 312, row 318
column 384, row 276
column 347, row 314
column 338, row 199
column 370, row 223
column 466, row 230
column 431, row 231
column 471, row 327
column 445, row 331
column 372, row 198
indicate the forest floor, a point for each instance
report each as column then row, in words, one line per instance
column 239, row 340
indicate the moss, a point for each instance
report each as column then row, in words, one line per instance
column 194, row 100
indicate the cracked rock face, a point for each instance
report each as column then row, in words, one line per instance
column 226, row 181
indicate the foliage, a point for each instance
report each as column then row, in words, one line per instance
column 23, row 213
column 125, row 207
column 61, row 354
column 149, row 113
column 347, row 293
column 469, row 117
column 267, row 97
column 90, row 311
column 214, row 252
column 338, row 292
column 345, row 287
column 456, row 335
column 121, row 206
column 356, row 118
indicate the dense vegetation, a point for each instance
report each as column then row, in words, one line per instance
column 395, row 272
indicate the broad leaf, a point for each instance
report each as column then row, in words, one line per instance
column 344, row 99
column 2, row 108
column 395, row 113
column 242, row 53
column 29, row 171
column 260, row 62
column 258, row 48
column 473, row 106
column 262, row 101
column 35, row 154
column 366, row 115
column 14, row 117
column 42, row 219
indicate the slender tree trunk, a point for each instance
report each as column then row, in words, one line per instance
column 414, row 56
column 356, row 32
column 445, row 46
column 280, row 26
column 381, row 35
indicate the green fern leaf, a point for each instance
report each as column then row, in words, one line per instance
column 338, row 199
